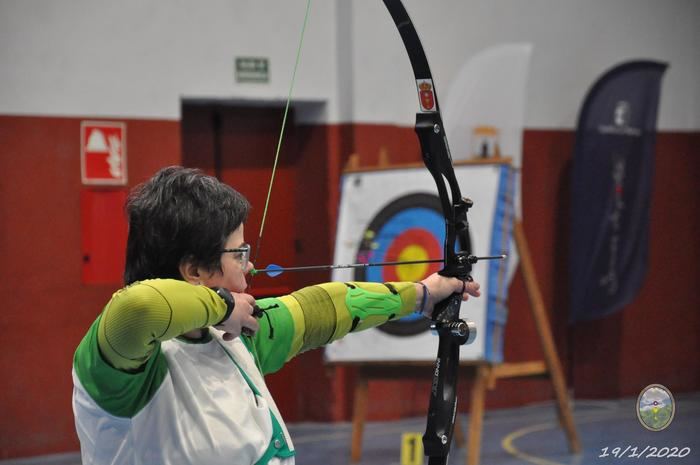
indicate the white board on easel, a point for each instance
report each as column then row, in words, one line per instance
column 389, row 214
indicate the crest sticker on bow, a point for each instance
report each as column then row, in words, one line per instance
column 426, row 95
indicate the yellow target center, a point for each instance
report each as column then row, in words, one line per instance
column 414, row 272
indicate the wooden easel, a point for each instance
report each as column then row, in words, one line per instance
column 485, row 374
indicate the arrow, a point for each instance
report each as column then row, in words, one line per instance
column 273, row 270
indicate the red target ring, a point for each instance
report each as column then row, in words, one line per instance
column 412, row 245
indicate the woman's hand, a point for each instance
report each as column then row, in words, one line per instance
column 241, row 319
column 440, row 288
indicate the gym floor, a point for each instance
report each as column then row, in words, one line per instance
column 519, row 436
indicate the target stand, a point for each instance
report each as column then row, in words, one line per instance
column 483, row 373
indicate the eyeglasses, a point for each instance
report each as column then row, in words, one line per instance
column 242, row 254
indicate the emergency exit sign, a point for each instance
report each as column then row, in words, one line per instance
column 252, row 69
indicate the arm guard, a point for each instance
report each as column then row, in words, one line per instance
column 317, row 315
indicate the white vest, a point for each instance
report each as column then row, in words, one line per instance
column 204, row 413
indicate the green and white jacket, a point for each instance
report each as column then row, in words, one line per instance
column 143, row 395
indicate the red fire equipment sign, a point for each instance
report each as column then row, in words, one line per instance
column 103, row 153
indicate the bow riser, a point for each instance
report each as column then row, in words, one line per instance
column 454, row 208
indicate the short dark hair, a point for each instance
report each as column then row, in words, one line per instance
column 179, row 214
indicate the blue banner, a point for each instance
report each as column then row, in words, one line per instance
column 612, row 172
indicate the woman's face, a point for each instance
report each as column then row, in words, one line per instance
column 233, row 268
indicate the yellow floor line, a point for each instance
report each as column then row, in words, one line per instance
column 507, row 444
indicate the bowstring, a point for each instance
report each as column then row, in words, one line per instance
column 281, row 136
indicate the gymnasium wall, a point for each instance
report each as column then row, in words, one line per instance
column 46, row 307
column 64, row 62
column 138, row 58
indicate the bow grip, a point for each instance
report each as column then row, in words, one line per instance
column 448, row 309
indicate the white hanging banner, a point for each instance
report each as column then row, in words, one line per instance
column 484, row 111
column 489, row 92
column 396, row 215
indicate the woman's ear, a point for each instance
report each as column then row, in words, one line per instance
column 190, row 272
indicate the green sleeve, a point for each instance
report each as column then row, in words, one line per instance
column 140, row 316
column 121, row 393
column 317, row 315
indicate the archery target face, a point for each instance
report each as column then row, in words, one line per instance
column 410, row 228
column 396, row 215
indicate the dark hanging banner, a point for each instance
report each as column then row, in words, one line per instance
column 613, row 166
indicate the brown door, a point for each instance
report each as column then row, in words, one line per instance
column 237, row 145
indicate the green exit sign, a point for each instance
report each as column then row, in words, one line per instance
column 252, row 69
